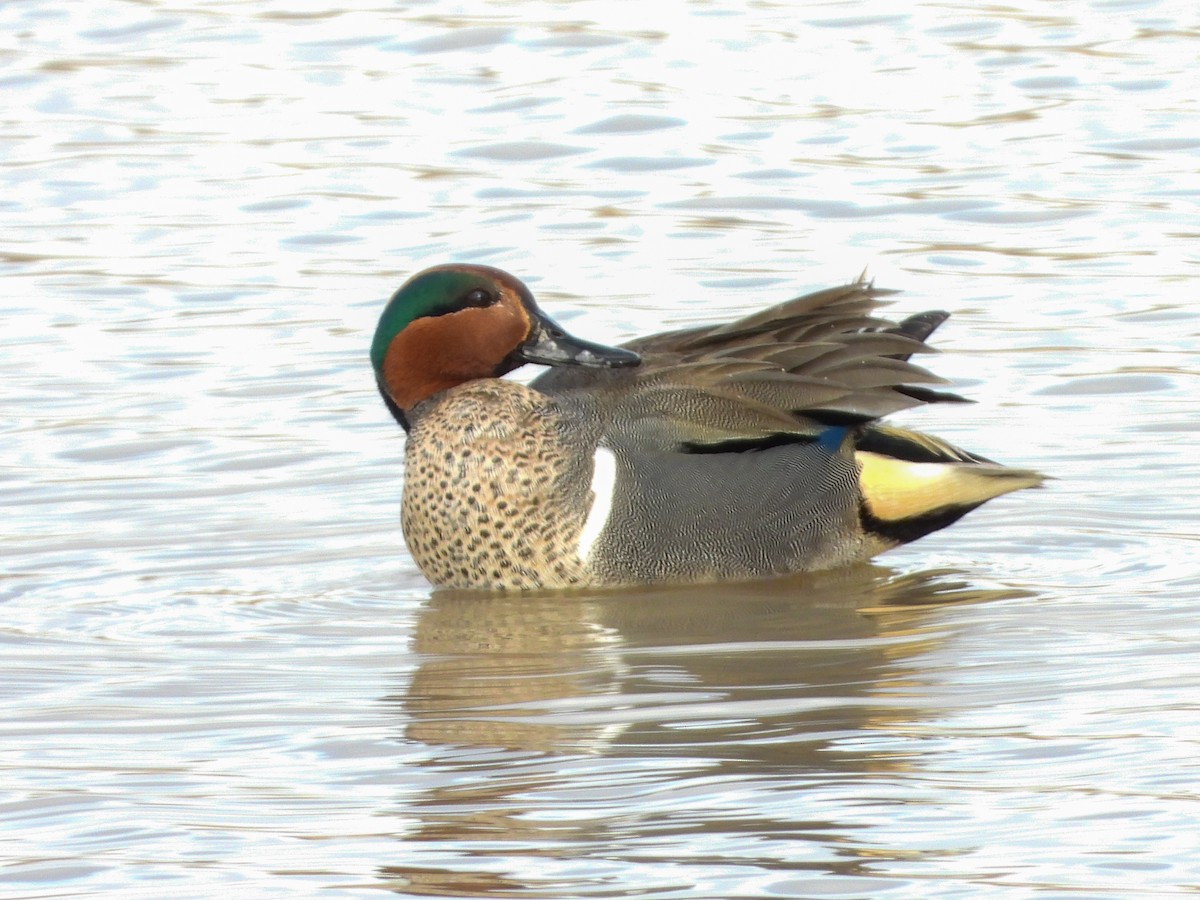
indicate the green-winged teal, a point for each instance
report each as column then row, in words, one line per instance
column 720, row 452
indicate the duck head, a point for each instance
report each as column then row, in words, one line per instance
column 456, row 323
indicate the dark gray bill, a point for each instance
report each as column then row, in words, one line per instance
column 549, row 345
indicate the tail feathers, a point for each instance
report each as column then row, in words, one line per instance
column 911, row 446
column 903, row 500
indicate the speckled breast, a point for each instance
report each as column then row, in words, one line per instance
column 494, row 497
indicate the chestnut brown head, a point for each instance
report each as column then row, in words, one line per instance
column 457, row 323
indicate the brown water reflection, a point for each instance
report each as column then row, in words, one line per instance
column 630, row 671
column 626, row 711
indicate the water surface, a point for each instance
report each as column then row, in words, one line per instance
column 223, row 675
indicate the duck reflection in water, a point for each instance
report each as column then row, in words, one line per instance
column 540, row 700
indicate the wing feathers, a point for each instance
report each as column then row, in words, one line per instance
column 823, row 357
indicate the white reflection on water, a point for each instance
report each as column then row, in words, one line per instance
column 221, row 673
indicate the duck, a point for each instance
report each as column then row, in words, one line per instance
column 743, row 450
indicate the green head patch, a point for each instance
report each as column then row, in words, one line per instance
column 434, row 292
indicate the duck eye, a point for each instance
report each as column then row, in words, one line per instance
column 478, row 297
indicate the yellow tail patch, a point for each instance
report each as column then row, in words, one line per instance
column 896, row 489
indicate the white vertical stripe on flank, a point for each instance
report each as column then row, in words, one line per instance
column 604, row 483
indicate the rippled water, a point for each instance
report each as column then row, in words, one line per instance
column 222, row 675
